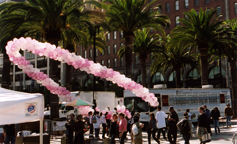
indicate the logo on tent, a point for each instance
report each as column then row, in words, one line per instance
column 31, row 109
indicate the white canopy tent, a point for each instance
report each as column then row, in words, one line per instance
column 19, row 107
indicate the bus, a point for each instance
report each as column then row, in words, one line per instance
column 180, row 99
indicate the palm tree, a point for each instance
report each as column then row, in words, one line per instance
column 198, row 31
column 130, row 15
column 144, row 44
column 46, row 20
column 173, row 59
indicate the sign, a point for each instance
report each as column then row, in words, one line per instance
column 31, row 109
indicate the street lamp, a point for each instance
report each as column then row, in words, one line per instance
column 94, row 59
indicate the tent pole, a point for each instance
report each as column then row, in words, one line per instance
column 41, row 131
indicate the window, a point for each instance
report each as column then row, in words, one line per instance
column 158, row 77
column 121, row 44
column 159, row 10
column 121, row 61
column 186, row 17
column 167, row 6
column 115, row 62
column 218, row 10
column 186, row 3
column 96, row 52
column 102, row 62
column 103, row 53
column 115, row 49
column 150, row 0
column 197, row 12
column 177, row 5
column 2, row 1
column 85, row 54
column 207, row 1
column 108, row 50
column 108, row 37
column 136, row 59
column 207, row 11
column 108, row 63
column 235, row 8
column 115, row 35
column 121, row 34
column 196, row 2
column 177, row 20
column 90, row 55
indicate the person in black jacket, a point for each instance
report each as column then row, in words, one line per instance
column 151, row 129
column 113, row 128
column 215, row 115
column 202, row 123
column 79, row 130
column 173, row 120
column 70, row 125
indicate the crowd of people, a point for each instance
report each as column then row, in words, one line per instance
column 118, row 125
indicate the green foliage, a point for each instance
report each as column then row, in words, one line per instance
column 131, row 15
column 144, row 43
column 197, row 30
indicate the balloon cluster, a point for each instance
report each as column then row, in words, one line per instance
column 45, row 49
column 84, row 110
column 122, row 109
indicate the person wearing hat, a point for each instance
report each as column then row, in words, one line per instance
column 185, row 127
column 228, row 113
column 173, row 120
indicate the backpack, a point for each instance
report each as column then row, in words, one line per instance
column 135, row 129
column 94, row 120
column 184, row 127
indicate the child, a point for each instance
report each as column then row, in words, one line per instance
column 137, row 137
column 97, row 125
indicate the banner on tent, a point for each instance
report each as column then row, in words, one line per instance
column 31, row 109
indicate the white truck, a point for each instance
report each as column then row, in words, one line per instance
column 103, row 100
column 180, row 99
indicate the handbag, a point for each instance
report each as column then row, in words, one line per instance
column 206, row 137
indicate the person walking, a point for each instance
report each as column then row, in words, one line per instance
column 97, row 125
column 185, row 127
column 132, row 122
column 79, row 130
column 122, row 128
column 208, row 113
column 70, row 126
column 113, row 128
column 215, row 115
column 228, row 113
column 103, row 120
column 151, row 129
column 10, row 133
column 90, row 114
column 202, row 124
column 137, row 126
column 161, row 125
column 172, row 130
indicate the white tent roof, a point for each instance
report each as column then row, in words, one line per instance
column 19, row 107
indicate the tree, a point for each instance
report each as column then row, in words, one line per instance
column 173, row 59
column 198, row 30
column 45, row 20
column 144, row 43
column 130, row 15
column 229, row 49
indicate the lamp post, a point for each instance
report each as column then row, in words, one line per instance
column 94, row 59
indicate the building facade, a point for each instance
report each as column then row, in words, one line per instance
column 174, row 9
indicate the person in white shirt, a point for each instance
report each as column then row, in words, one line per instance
column 103, row 120
column 161, row 124
column 189, row 114
column 97, row 125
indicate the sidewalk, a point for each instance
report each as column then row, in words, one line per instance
column 225, row 137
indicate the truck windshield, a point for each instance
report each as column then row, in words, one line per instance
column 135, row 104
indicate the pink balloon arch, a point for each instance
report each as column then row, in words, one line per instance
column 57, row 53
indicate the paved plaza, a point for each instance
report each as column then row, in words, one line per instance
column 225, row 137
